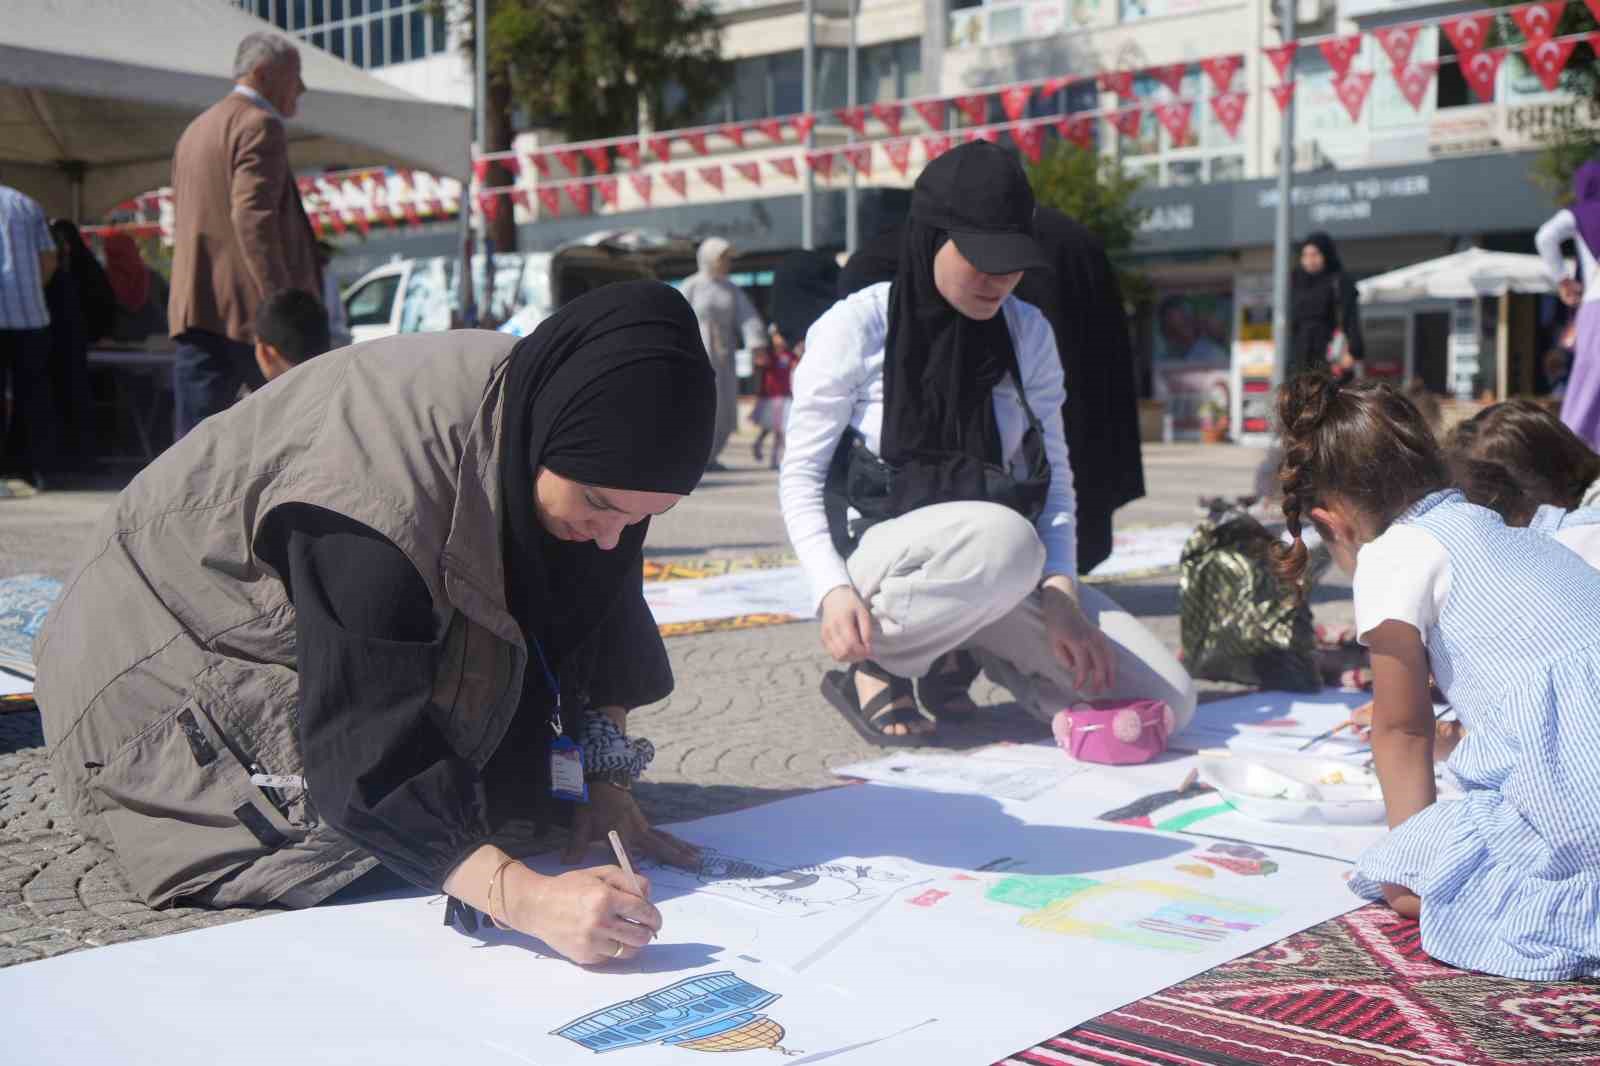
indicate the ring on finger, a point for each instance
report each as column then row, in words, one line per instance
column 618, row 953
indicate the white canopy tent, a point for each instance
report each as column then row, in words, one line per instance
column 95, row 93
column 1462, row 276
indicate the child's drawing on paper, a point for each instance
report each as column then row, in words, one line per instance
column 1146, row 914
column 715, row 1012
column 783, row 888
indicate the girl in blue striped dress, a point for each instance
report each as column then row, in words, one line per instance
column 1505, row 879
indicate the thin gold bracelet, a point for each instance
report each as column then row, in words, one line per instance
column 489, row 902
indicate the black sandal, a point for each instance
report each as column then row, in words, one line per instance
column 839, row 689
column 942, row 687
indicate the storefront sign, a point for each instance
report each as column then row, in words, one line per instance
column 1531, row 125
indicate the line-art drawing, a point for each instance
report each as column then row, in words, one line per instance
column 714, row 1012
column 784, row 888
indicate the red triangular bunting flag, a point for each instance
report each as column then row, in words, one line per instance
column 854, row 117
column 1055, row 85
column 988, row 133
column 1413, row 80
column 1469, row 33
column 569, row 159
column 1594, row 8
column 480, row 168
column 410, row 211
column 519, row 197
column 600, row 157
column 1119, row 82
column 1127, row 122
column 629, row 150
column 899, row 153
column 803, row 125
column 1352, row 91
column 1170, row 75
column 305, row 185
column 861, row 159
column 712, row 176
column 697, row 141
column 662, row 147
column 934, row 147
column 512, row 164
column 933, row 111
column 975, row 107
column 1397, row 43
column 1229, row 109
column 489, row 204
column 1176, row 117
column 785, row 165
column 641, row 185
column 1221, row 69
column 542, row 165
column 550, row 199
column 1282, row 58
column 1538, row 21
column 889, row 115
column 677, row 181
column 578, row 193
column 734, row 133
column 316, row 223
column 1548, row 59
column 364, row 224
column 608, row 191
column 1480, row 69
column 771, row 128
column 337, row 223
column 1340, row 51
column 1078, row 130
column 750, row 172
column 1283, row 94
column 1015, row 101
column 821, row 163
column 1031, row 140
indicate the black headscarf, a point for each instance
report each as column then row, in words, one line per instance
column 613, row 390
column 97, row 301
column 876, row 260
column 802, row 289
column 1319, row 304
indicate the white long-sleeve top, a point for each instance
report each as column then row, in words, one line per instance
column 839, row 383
column 1563, row 226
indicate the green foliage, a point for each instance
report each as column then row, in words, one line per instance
column 1571, row 147
column 1560, row 159
column 1099, row 193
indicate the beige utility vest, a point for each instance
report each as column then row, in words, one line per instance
column 167, row 671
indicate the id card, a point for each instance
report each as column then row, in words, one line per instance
column 566, row 771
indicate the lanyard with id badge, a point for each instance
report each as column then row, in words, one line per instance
column 566, row 758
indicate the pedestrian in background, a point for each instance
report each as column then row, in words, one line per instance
column 1580, row 405
column 1325, row 316
column 239, row 232
column 141, row 293
column 726, row 317
column 83, row 309
column 27, row 263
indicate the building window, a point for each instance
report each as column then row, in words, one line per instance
column 375, row 43
column 889, row 71
column 336, row 41
column 1205, row 153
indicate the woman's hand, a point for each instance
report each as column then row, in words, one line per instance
column 1075, row 640
column 611, row 808
column 1571, row 291
column 590, row 916
column 846, row 626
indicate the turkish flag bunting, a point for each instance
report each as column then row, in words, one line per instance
column 550, row 200
column 1283, row 94
column 803, row 125
column 861, row 159
column 410, row 211
column 771, row 128
column 512, row 164
column 316, row 225
column 988, row 133
column 785, row 165
column 1469, row 33
column 305, row 186
column 408, row 177
column 899, row 153
column 1538, row 21
column 889, row 115
column 480, row 167
column 519, row 197
column 1480, row 69
column 569, row 159
column 364, row 224
column 608, row 191
column 629, row 150
column 641, row 185
column 712, row 176
column 1170, row 75
column 578, row 193
column 489, row 204
column 733, row 133
column 1055, row 85
column 1078, row 130
column 697, row 141
column 854, row 117
column 933, row 111
column 1015, row 101
column 662, row 147
column 1119, row 82
column 1229, row 109
column 821, row 162
column 974, row 107
column 1221, row 70
column 1397, row 43
column 1176, row 117
column 600, row 156
column 1127, row 122
column 1282, row 58
column 542, row 164
column 337, row 223
column 1340, row 51
column 750, row 172
column 934, row 147
column 1414, row 79
column 1548, row 59
column 1594, row 8
column 1352, row 91
column 1031, row 140
column 677, row 181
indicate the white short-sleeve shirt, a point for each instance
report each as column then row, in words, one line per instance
column 1403, row 575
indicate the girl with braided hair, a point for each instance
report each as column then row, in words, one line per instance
column 1505, row 879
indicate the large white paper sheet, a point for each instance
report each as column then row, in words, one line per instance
column 1278, row 722
column 783, row 591
column 994, row 775
column 14, row 684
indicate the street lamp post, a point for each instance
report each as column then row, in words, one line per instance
column 1280, row 244
column 808, row 101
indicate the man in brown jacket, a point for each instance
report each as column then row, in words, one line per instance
column 240, row 233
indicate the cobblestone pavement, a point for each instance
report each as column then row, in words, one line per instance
column 745, row 726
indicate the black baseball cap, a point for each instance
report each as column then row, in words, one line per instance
column 979, row 195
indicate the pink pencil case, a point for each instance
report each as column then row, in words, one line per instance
column 1115, row 732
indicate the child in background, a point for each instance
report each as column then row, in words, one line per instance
column 772, row 403
column 1506, row 879
column 291, row 327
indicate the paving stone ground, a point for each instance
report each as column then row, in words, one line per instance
column 745, row 725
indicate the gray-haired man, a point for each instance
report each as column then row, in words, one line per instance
column 240, row 233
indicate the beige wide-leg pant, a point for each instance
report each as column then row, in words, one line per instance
column 965, row 576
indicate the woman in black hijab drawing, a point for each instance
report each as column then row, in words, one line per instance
column 389, row 609
column 1325, row 312
column 927, row 487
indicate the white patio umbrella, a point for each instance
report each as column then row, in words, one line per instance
column 1462, row 276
